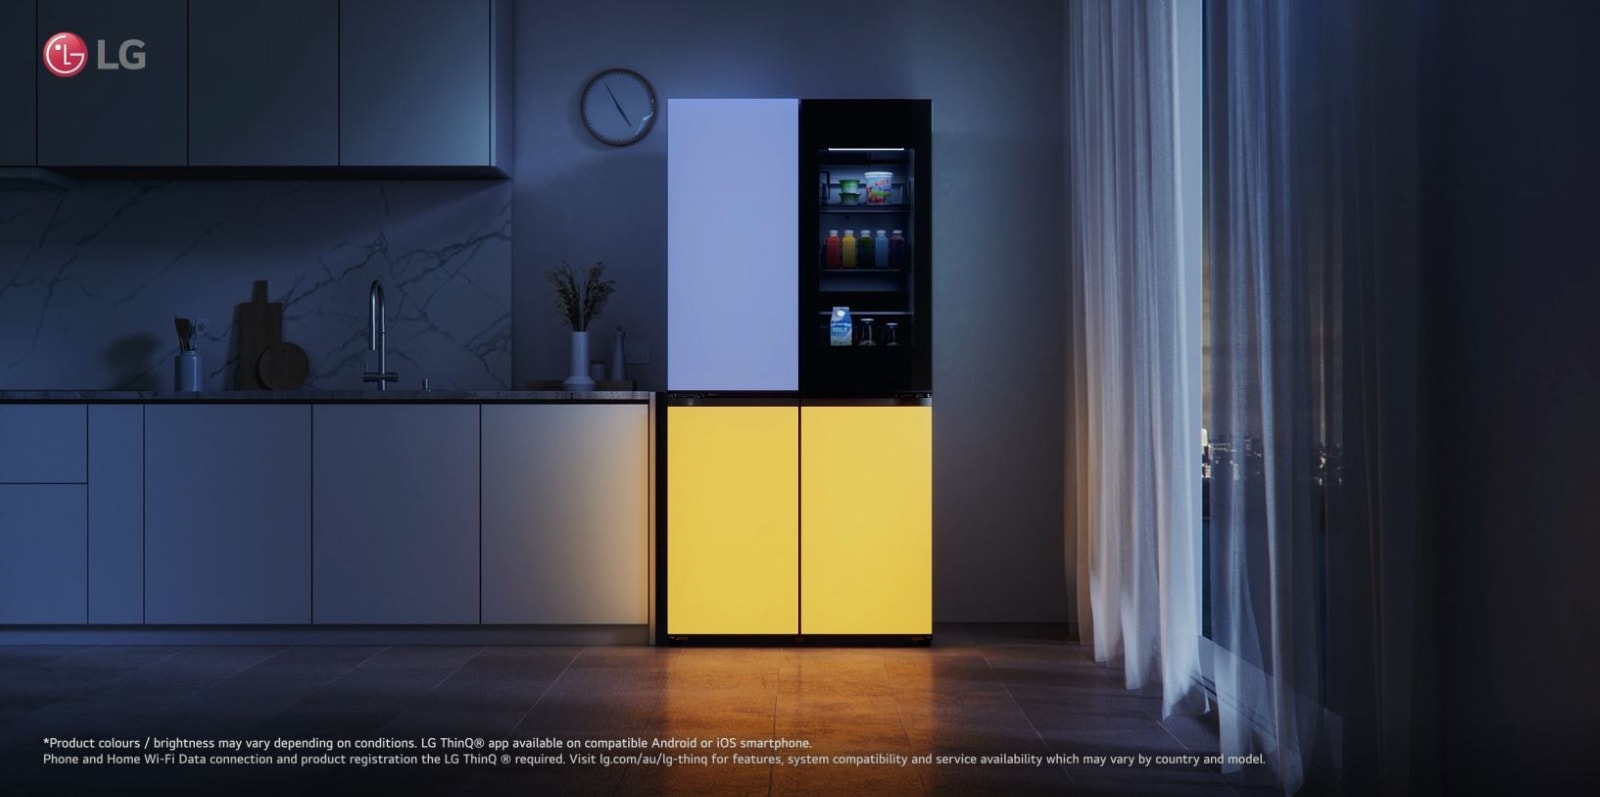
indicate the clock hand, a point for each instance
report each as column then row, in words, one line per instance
column 618, row 104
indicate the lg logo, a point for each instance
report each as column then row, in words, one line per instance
column 66, row 54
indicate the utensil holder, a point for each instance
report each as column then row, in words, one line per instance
column 187, row 372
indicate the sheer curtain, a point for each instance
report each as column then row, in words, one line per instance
column 1135, row 296
column 1267, row 409
column 1309, row 560
column 1310, row 400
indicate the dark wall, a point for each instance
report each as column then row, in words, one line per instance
column 1512, row 361
column 995, row 73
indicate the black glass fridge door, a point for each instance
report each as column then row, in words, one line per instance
column 864, row 247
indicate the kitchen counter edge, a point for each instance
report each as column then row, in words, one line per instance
column 323, row 396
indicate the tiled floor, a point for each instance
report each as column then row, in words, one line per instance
column 979, row 690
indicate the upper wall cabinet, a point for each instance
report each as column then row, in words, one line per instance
column 425, row 83
column 263, row 82
column 17, row 59
column 368, row 88
column 112, row 91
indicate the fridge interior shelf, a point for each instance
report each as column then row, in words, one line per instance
column 866, row 209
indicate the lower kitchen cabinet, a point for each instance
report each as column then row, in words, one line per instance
column 227, row 513
column 732, row 520
column 395, row 535
column 566, row 513
column 116, row 514
column 43, row 553
column 43, row 443
column 866, row 543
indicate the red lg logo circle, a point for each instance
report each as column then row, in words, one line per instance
column 65, row 54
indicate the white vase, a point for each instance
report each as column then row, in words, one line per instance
column 579, row 367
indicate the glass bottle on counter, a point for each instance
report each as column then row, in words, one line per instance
column 832, row 258
column 848, row 248
column 865, row 250
column 880, row 250
column 897, row 250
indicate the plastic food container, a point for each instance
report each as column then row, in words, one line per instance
column 880, row 188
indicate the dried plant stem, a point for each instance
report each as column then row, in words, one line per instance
column 580, row 303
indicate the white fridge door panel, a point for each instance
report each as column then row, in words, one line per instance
column 732, row 216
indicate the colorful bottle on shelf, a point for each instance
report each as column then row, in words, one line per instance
column 847, row 248
column 866, row 250
column 831, row 258
column 880, row 250
column 897, row 250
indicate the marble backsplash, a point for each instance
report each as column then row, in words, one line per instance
column 91, row 278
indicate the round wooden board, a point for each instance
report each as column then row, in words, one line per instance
column 283, row 366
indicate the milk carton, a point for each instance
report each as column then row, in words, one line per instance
column 840, row 328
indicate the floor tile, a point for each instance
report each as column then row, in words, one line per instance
column 483, row 724
column 422, row 656
column 835, row 779
column 697, row 780
column 978, row 690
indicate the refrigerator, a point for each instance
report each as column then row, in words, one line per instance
column 795, row 436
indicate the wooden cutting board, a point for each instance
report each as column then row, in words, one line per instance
column 283, row 366
column 260, row 327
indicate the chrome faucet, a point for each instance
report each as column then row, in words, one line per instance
column 377, row 334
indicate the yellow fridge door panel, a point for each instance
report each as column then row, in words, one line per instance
column 733, row 520
column 866, row 513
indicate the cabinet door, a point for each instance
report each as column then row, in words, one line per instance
column 43, row 443
column 126, row 106
column 18, row 64
column 263, row 82
column 866, row 543
column 414, row 83
column 565, row 513
column 227, row 513
column 732, row 520
column 395, row 533
column 116, row 513
column 43, row 538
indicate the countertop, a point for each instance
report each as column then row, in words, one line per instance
column 326, row 396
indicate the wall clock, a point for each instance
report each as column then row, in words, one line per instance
column 619, row 107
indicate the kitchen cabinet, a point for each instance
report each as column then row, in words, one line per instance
column 566, row 513
column 116, row 513
column 43, row 553
column 126, row 106
column 733, row 524
column 18, row 56
column 71, row 512
column 227, row 513
column 43, row 443
column 425, row 83
column 866, row 548
column 395, row 531
column 263, row 82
